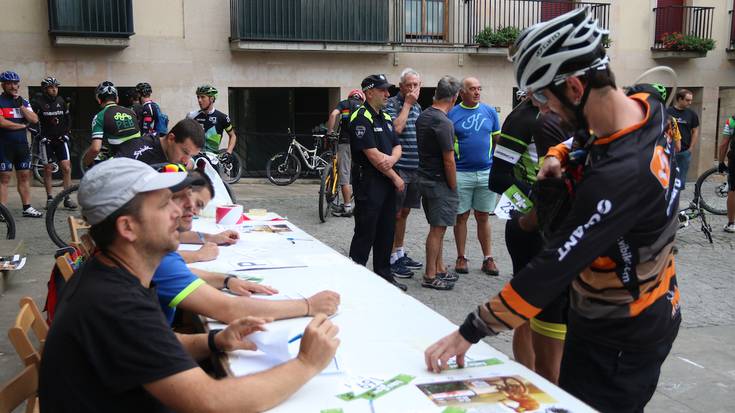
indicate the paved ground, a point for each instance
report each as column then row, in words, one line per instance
column 698, row 376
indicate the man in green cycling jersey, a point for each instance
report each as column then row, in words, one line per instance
column 114, row 124
column 213, row 121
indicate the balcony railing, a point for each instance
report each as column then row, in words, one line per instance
column 459, row 22
column 687, row 20
column 391, row 23
column 364, row 21
column 732, row 30
column 91, row 18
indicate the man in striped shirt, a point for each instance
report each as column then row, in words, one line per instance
column 404, row 109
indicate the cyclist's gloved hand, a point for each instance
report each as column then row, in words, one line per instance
column 722, row 167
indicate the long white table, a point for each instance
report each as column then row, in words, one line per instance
column 383, row 333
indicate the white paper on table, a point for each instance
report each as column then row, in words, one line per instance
column 189, row 247
column 503, row 208
column 273, row 343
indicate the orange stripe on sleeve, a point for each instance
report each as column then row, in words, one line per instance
column 517, row 303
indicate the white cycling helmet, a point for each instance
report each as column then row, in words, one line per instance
column 550, row 52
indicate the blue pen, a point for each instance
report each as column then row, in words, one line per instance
column 300, row 336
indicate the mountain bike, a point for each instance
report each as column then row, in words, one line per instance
column 229, row 167
column 284, row 168
column 693, row 211
column 7, row 221
column 329, row 188
column 711, row 191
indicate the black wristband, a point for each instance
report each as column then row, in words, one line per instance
column 210, row 341
column 227, row 281
column 468, row 330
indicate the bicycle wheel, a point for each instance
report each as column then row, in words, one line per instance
column 7, row 220
column 57, row 217
column 324, row 185
column 283, row 168
column 711, row 189
column 232, row 169
column 57, row 177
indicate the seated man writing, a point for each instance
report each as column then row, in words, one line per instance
column 178, row 146
column 110, row 349
column 179, row 286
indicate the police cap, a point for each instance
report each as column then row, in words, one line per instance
column 375, row 82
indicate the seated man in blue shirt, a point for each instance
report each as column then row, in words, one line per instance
column 178, row 286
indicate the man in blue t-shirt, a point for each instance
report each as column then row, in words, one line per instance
column 476, row 125
column 15, row 116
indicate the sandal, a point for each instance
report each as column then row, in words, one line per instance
column 436, row 284
column 447, row 276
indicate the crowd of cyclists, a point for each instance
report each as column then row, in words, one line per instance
column 137, row 128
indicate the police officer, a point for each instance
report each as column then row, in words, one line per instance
column 375, row 149
column 54, row 130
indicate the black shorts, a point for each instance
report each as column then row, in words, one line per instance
column 57, row 150
column 522, row 247
column 611, row 379
column 731, row 170
column 14, row 154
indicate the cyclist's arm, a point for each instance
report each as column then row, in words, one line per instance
column 6, row 124
column 727, row 133
column 232, row 142
column 724, row 145
column 28, row 113
column 94, row 149
column 605, row 208
column 332, row 120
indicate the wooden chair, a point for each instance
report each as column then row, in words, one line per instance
column 65, row 266
column 88, row 245
column 23, row 387
column 29, row 318
column 76, row 225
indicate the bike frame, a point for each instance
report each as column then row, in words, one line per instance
column 308, row 156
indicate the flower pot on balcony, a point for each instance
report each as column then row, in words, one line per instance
column 677, row 54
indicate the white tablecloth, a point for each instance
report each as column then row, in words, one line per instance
column 383, row 331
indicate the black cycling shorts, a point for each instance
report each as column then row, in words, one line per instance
column 57, row 150
column 14, row 154
column 731, row 170
column 522, row 247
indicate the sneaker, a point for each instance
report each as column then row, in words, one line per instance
column 730, row 227
column 460, row 266
column 398, row 285
column 399, row 271
column 32, row 213
column 436, row 284
column 407, row 262
column 341, row 211
column 448, row 276
column 489, row 267
column 68, row 203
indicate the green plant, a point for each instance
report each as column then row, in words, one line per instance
column 686, row 42
column 502, row 37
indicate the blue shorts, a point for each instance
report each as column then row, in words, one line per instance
column 474, row 193
column 14, row 154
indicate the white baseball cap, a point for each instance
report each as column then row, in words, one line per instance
column 108, row 186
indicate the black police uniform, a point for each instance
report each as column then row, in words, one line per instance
column 375, row 195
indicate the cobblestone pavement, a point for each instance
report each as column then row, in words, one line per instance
column 698, row 376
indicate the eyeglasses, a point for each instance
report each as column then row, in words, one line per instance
column 539, row 97
column 169, row 167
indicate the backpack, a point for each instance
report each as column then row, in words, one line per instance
column 161, row 123
column 57, row 282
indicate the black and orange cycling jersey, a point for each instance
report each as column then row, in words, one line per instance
column 614, row 248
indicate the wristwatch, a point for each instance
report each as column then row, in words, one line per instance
column 210, row 341
column 227, row 280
